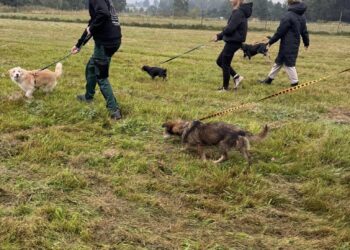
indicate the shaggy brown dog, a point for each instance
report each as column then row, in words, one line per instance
column 28, row 81
column 225, row 136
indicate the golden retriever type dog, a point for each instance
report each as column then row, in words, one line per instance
column 225, row 136
column 29, row 81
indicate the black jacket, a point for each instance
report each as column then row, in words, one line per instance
column 237, row 25
column 104, row 23
column 292, row 26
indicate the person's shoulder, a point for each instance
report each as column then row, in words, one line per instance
column 238, row 13
column 287, row 16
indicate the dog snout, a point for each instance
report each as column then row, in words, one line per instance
column 166, row 135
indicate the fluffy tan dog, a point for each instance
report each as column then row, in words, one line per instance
column 29, row 81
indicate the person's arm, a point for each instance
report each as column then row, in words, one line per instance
column 102, row 15
column 281, row 31
column 81, row 42
column 85, row 37
column 305, row 33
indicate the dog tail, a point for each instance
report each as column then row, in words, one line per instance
column 261, row 136
column 59, row 70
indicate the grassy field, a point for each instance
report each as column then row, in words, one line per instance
column 71, row 179
column 168, row 22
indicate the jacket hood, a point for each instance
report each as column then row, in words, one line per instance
column 298, row 8
column 247, row 9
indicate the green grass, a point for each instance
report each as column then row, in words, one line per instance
column 71, row 179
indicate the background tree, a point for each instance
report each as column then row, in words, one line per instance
column 180, row 7
column 318, row 10
column 146, row 4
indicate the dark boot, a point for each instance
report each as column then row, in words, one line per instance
column 294, row 84
column 82, row 98
column 117, row 115
column 268, row 80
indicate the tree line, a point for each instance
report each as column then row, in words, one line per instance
column 326, row 10
column 59, row 4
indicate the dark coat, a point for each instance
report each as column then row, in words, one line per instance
column 237, row 26
column 104, row 23
column 292, row 26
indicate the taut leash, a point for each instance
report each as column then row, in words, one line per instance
column 283, row 92
column 87, row 38
column 185, row 53
column 54, row 63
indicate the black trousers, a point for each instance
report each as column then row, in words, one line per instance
column 224, row 61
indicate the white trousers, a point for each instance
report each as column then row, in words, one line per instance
column 291, row 71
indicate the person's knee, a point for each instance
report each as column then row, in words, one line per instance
column 102, row 68
column 226, row 66
column 90, row 65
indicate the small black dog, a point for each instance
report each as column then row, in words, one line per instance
column 252, row 50
column 258, row 48
column 155, row 72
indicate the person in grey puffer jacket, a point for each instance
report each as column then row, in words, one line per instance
column 292, row 27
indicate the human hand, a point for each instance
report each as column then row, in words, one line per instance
column 215, row 38
column 75, row 50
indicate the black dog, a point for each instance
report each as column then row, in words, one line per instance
column 155, row 72
column 257, row 48
column 252, row 50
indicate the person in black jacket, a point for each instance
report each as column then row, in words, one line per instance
column 105, row 29
column 234, row 35
column 292, row 27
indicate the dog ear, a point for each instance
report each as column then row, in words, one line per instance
column 196, row 123
column 167, row 125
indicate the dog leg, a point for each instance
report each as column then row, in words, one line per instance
column 222, row 159
column 185, row 148
column 29, row 93
column 224, row 148
column 50, row 88
column 47, row 90
column 246, row 155
column 201, row 153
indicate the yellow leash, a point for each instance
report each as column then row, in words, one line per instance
column 283, row 92
column 230, row 110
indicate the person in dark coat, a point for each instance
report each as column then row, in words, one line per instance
column 234, row 35
column 104, row 27
column 292, row 27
